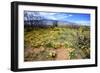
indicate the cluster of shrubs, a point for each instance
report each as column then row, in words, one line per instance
column 57, row 37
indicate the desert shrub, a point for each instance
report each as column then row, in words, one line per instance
column 73, row 55
column 83, row 41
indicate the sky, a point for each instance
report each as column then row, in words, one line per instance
column 79, row 18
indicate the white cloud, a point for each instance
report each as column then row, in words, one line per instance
column 70, row 15
column 45, row 14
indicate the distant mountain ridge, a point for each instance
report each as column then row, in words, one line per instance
column 49, row 22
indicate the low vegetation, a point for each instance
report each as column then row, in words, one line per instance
column 42, row 43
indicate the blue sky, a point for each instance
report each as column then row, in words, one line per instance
column 79, row 18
